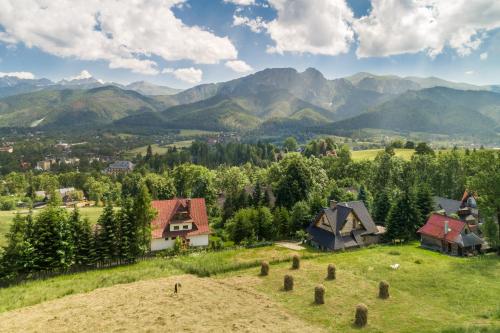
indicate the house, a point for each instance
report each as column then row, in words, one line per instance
column 344, row 225
column 119, row 167
column 466, row 209
column 7, row 149
column 44, row 165
column 448, row 235
column 184, row 218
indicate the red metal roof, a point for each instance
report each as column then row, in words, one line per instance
column 435, row 227
column 166, row 210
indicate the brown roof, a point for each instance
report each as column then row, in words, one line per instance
column 196, row 211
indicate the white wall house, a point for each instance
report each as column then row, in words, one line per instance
column 183, row 218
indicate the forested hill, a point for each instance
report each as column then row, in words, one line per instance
column 436, row 110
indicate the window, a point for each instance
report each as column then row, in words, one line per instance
column 176, row 227
column 185, row 227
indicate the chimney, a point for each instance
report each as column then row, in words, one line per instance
column 333, row 204
column 446, row 228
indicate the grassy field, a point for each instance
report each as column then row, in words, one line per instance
column 157, row 149
column 429, row 293
column 370, row 154
column 92, row 213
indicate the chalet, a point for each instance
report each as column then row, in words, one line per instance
column 119, row 167
column 344, row 225
column 466, row 209
column 448, row 235
column 184, row 218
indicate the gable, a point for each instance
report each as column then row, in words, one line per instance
column 323, row 222
column 352, row 222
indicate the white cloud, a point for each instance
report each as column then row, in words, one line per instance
column 85, row 74
column 397, row 27
column 256, row 25
column 239, row 66
column 241, row 2
column 483, row 56
column 470, row 72
column 190, row 74
column 302, row 26
column 123, row 33
column 19, row 75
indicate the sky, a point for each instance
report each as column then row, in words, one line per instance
column 181, row 43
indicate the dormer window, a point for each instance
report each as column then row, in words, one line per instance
column 185, row 227
column 176, row 227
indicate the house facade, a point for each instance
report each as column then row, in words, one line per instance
column 183, row 218
column 344, row 225
column 119, row 167
column 448, row 235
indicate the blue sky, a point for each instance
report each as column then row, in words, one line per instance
column 183, row 43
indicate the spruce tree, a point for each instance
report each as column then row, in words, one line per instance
column 281, row 222
column 53, row 243
column 144, row 214
column 108, row 234
column 129, row 241
column 365, row 196
column 425, row 202
column 81, row 233
column 257, row 195
column 381, row 206
column 403, row 218
column 18, row 255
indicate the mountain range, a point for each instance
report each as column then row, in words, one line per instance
column 278, row 98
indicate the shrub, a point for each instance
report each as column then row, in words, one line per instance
column 361, row 318
column 418, row 261
column 295, row 261
column 383, row 290
column 331, row 272
column 394, row 253
column 319, row 294
column 7, row 204
column 264, row 268
column 288, row 283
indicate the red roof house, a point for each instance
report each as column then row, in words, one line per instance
column 184, row 218
column 449, row 235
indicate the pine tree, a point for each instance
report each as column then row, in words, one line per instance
column 403, row 218
column 18, row 255
column 108, row 234
column 425, row 202
column 381, row 207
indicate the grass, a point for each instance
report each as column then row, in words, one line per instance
column 430, row 292
column 370, row 154
column 441, row 293
column 157, row 149
column 92, row 213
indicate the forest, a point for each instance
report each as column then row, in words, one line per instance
column 254, row 192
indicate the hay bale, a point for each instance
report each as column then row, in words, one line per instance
column 288, row 283
column 295, row 261
column 264, row 268
column 331, row 272
column 319, row 294
column 383, row 290
column 361, row 318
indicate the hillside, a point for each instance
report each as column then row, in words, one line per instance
column 139, row 297
column 59, row 108
column 435, row 110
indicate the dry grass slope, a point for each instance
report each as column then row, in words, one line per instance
column 203, row 305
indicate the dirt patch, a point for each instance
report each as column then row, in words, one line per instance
column 291, row 245
column 203, row 305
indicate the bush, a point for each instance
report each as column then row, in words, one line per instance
column 288, row 283
column 7, row 204
column 319, row 294
column 383, row 290
column 264, row 268
column 295, row 261
column 331, row 272
column 418, row 261
column 394, row 253
column 361, row 318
